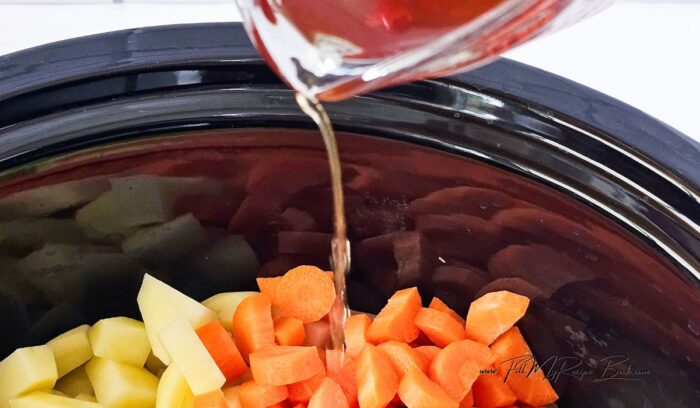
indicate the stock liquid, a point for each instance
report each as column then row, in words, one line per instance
column 340, row 246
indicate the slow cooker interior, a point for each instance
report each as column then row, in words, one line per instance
column 602, row 300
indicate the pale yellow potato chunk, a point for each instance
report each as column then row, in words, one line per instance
column 86, row 397
column 119, row 385
column 225, row 305
column 41, row 399
column 71, row 349
column 173, row 391
column 27, row 369
column 160, row 304
column 74, row 383
column 120, row 339
column 191, row 357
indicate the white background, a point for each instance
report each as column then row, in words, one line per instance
column 646, row 53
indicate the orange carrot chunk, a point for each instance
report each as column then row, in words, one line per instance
column 403, row 358
column 440, row 327
column 303, row 390
column 456, row 367
column 299, row 405
column 252, row 324
column 530, row 386
column 289, row 331
column 328, row 395
column 429, row 352
column 418, row 391
column 466, row 350
column 355, row 334
column 468, row 401
column 232, row 398
column 214, row 399
column 396, row 321
column 345, row 377
column 494, row 313
column 222, row 349
column 490, row 391
column 438, row 304
column 268, row 286
column 282, row 365
column 377, row 382
column 306, row 293
column 254, row 395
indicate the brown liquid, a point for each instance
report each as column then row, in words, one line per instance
column 340, row 246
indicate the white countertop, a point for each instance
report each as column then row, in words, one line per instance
column 644, row 53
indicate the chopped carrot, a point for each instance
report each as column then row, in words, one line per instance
column 439, row 326
column 252, row 324
column 328, row 395
column 281, row 404
column 429, row 352
column 345, row 377
column 403, row 358
column 438, row 304
column 317, row 334
column 222, row 349
column 334, row 360
column 396, row 321
column 254, row 395
column 377, row 382
column 490, row 391
column 512, row 355
column 418, row 391
column 289, row 331
column 457, row 366
column 232, row 398
column 282, row 365
column 306, row 293
column 355, row 333
column 331, row 275
column 494, row 313
column 466, row 349
column 214, row 399
column 303, row 390
column 468, row 401
column 299, row 405
column 269, row 285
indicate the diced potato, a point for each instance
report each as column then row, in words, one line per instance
column 120, row 385
column 225, row 305
column 74, row 383
column 228, row 261
column 120, row 339
column 136, row 201
column 46, row 200
column 86, row 397
column 191, row 357
column 41, row 399
column 165, row 243
column 173, row 391
column 24, row 235
column 71, row 349
column 160, row 304
column 27, row 369
column 154, row 365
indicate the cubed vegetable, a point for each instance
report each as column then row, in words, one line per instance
column 27, row 369
column 120, row 339
column 120, row 385
column 160, row 304
column 42, row 399
column 191, row 357
column 225, row 305
column 173, row 391
column 71, row 349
